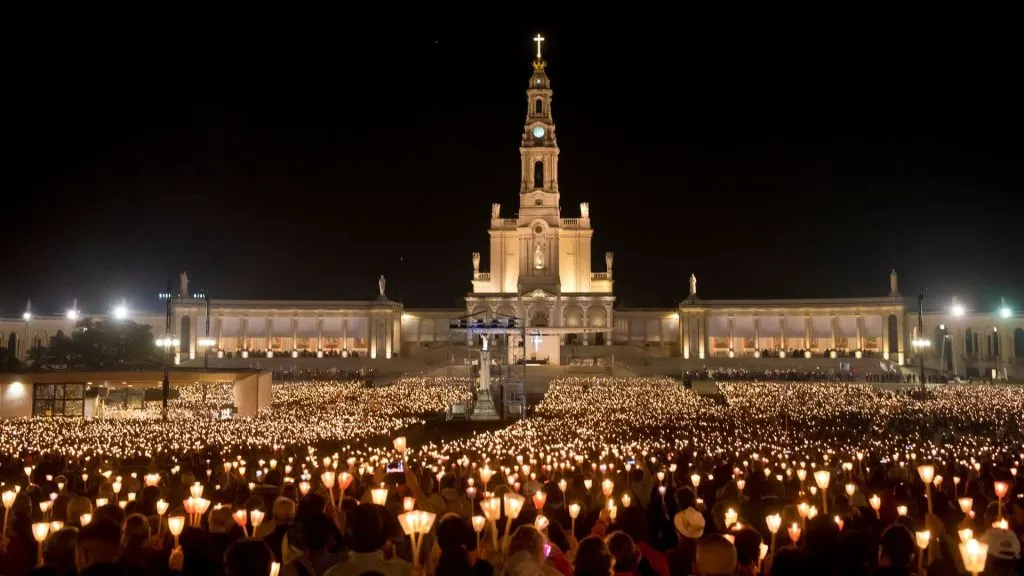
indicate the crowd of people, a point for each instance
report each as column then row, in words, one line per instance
column 607, row 476
column 770, row 375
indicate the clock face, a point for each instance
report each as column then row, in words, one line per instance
column 538, row 131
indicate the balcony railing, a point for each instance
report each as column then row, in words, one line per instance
column 483, row 276
column 599, row 276
column 506, row 223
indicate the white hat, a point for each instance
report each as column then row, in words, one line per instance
column 1002, row 544
column 689, row 523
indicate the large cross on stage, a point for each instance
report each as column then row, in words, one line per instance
column 538, row 40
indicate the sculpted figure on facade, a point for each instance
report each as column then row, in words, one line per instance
column 476, row 262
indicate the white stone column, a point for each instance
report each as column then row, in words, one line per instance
column 782, row 332
column 397, row 334
column 885, row 336
column 684, row 327
column 295, row 333
column 899, row 339
column 732, row 333
column 703, row 346
column 834, row 321
column 193, row 336
column 371, row 332
column 807, row 332
column 757, row 333
column 610, row 325
column 270, row 334
column 245, row 332
column 219, row 330
column 344, row 333
column 389, row 325
column 320, row 333
column 860, row 333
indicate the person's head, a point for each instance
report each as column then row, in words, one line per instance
column 110, row 512
column 689, row 523
column 248, row 557
column 528, row 539
column 897, row 547
column 592, row 558
column 454, row 560
column 316, row 533
column 821, row 541
column 633, row 521
column 624, row 550
column 99, row 541
column 558, row 537
column 76, row 507
column 748, row 547
column 716, row 556
column 453, row 531
column 198, row 549
column 284, row 511
column 59, row 550
column 685, row 498
column 220, row 521
column 136, row 531
column 1003, row 547
column 789, row 562
column 365, row 526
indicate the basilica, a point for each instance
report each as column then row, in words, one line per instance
column 540, row 288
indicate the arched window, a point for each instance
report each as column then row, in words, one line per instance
column 538, row 174
column 538, row 106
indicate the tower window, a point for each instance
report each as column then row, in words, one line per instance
column 538, row 106
column 538, row 174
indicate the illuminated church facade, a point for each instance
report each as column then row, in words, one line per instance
column 539, row 269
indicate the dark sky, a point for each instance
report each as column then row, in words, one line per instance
column 298, row 164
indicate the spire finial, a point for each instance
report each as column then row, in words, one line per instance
column 538, row 39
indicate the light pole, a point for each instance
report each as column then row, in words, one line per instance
column 206, row 342
column 958, row 311
column 168, row 345
column 27, row 317
column 922, row 342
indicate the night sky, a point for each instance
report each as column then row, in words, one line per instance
column 302, row 164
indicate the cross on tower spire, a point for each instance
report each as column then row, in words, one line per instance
column 538, row 39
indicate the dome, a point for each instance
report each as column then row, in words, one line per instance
column 539, row 80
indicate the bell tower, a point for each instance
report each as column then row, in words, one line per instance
column 538, row 150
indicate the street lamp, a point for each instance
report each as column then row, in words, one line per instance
column 167, row 342
column 27, row 314
column 120, row 312
column 958, row 308
column 1004, row 310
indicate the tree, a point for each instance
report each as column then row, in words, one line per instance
column 98, row 344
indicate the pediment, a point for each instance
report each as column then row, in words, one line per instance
column 538, row 293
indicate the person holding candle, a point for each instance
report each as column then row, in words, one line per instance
column 366, row 537
column 592, row 558
column 716, row 556
column 248, row 557
column 689, row 526
column 897, row 552
column 457, row 542
column 315, row 558
column 97, row 548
